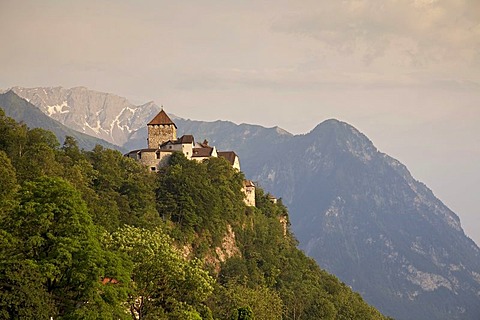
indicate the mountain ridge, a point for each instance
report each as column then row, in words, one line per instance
column 345, row 195
column 360, row 214
column 374, row 198
column 103, row 115
column 22, row 110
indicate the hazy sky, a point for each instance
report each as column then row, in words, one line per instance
column 404, row 72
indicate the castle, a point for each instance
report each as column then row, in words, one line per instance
column 162, row 141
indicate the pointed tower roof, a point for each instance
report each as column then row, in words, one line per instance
column 161, row 118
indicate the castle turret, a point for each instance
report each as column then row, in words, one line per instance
column 160, row 130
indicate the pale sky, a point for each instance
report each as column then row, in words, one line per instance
column 404, row 72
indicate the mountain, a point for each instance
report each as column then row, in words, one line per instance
column 359, row 213
column 102, row 115
column 93, row 234
column 362, row 216
column 21, row 110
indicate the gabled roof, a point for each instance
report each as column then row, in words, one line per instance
column 202, row 152
column 162, row 119
column 187, row 138
column 228, row 155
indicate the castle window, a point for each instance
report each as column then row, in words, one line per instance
column 139, row 155
column 157, row 155
column 153, row 168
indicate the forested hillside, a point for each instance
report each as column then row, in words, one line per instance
column 92, row 234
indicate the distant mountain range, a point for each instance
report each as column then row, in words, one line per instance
column 358, row 212
column 102, row 115
column 21, row 110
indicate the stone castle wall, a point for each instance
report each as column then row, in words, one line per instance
column 158, row 134
column 150, row 160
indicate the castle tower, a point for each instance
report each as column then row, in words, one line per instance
column 160, row 130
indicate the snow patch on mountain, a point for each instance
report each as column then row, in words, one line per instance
column 57, row 108
column 99, row 114
column 476, row 276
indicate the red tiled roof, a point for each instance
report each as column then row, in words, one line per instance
column 161, row 118
column 229, row 155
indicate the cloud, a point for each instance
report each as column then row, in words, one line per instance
column 418, row 33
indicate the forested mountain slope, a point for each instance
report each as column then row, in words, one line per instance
column 91, row 234
column 362, row 216
column 358, row 212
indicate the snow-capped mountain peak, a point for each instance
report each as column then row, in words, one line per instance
column 103, row 115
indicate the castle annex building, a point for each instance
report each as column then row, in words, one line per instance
column 162, row 141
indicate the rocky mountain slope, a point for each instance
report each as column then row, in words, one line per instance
column 102, row 115
column 362, row 216
column 21, row 110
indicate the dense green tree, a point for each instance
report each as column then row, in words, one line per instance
column 164, row 284
column 8, row 183
column 39, row 155
column 13, row 137
column 22, row 293
column 243, row 313
column 125, row 191
column 200, row 198
column 54, row 236
column 237, row 301
column 83, row 236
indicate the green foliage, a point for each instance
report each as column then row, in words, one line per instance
column 13, row 137
column 124, row 191
column 243, row 314
column 55, row 237
column 200, row 198
column 8, row 183
column 83, row 235
column 22, row 295
column 164, row 283
column 237, row 301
